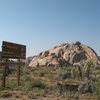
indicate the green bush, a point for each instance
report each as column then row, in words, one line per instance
column 43, row 72
column 5, row 95
column 34, row 83
column 98, row 68
column 89, row 68
column 40, row 72
column 89, row 63
column 37, row 83
column 66, row 73
column 34, row 94
column 97, row 90
column 26, row 78
column 11, row 84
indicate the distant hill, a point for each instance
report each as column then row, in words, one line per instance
column 65, row 54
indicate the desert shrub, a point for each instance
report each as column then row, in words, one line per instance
column 11, row 71
column 11, row 84
column 34, row 94
column 34, row 83
column 40, row 71
column 43, row 72
column 86, row 86
column 26, row 70
column 5, row 95
column 98, row 72
column 1, row 88
column 97, row 68
column 64, row 64
column 38, row 83
column 17, row 96
column 64, row 89
column 26, row 78
column 97, row 89
column 26, row 81
column 66, row 73
column 89, row 63
column 89, row 68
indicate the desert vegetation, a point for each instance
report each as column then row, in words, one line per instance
column 51, row 83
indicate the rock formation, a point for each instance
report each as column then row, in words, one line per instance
column 99, row 58
column 28, row 60
column 64, row 54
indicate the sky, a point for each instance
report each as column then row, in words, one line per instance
column 42, row 24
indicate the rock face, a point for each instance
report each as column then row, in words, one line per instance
column 99, row 58
column 28, row 60
column 64, row 54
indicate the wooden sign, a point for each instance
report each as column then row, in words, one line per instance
column 13, row 50
column 12, row 63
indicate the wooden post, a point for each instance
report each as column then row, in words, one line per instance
column 4, row 74
column 18, row 73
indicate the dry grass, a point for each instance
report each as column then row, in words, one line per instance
column 41, row 84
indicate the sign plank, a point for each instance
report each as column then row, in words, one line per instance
column 11, row 63
column 13, row 50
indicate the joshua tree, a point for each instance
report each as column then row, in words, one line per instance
column 89, row 65
column 80, row 71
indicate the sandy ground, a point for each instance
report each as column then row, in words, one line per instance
column 18, row 95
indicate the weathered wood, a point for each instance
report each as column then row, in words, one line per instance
column 11, row 63
column 4, row 74
column 18, row 73
column 13, row 50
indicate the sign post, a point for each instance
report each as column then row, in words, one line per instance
column 18, row 73
column 4, row 73
column 13, row 51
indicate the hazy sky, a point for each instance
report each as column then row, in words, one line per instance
column 42, row 24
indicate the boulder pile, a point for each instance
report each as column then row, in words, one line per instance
column 65, row 54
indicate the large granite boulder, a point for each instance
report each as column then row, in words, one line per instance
column 67, row 53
